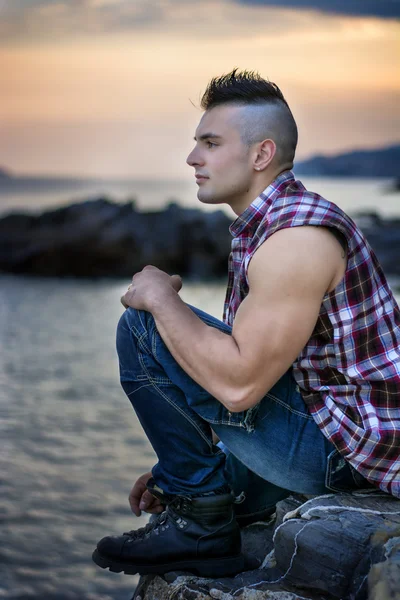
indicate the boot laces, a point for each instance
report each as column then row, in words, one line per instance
column 151, row 527
column 162, row 520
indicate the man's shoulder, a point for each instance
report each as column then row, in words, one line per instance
column 298, row 205
column 296, row 194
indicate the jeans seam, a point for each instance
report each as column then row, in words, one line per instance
column 289, row 408
column 140, row 338
column 224, row 422
column 140, row 335
column 143, row 377
column 153, row 382
column 145, row 385
column 153, row 341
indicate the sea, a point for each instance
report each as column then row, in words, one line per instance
column 36, row 194
column 71, row 445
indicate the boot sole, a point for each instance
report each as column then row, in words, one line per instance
column 212, row 567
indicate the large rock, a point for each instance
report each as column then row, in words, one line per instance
column 100, row 238
column 338, row 546
column 384, row 237
column 103, row 239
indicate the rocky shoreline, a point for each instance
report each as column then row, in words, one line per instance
column 332, row 547
column 100, row 238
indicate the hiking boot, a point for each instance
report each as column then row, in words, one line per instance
column 197, row 534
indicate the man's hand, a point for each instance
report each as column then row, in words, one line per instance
column 149, row 286
column 141, row 499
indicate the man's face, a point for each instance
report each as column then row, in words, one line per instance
column 222, row 162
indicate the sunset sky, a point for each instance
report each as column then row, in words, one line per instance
column 111, row 87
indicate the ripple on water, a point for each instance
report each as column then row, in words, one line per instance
column 71, row 444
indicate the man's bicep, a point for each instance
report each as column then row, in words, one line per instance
column 271, row 336
column 277, row 318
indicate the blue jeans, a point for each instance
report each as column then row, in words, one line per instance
column 267, row 451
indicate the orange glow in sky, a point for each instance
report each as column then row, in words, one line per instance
column 84, row 95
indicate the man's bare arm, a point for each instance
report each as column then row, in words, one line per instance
column 288, row 277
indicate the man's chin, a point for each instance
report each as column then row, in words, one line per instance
column 207, row 198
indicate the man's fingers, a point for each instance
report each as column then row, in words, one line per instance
column 176, row 282
column 155, row 507
column 148, row 277
column 134, row 504
column 146, row 500
column 150, row 503
column 141, row 499
column 137, row 492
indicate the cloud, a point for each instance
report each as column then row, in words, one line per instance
column 29, row 21
column 41, row 20
column 376, row 8
column 57, row 20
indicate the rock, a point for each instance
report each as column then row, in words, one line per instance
column 337, row 546
column 384, row 237
column 100, row 238
column 338, row 532
column 384, row 577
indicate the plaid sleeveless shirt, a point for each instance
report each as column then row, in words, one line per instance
column 349, row 371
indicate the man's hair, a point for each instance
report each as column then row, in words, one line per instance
column 269, row 115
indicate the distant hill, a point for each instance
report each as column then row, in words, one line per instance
column 382, row 162
column 4, row 174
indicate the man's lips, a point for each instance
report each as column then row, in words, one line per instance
column 200, row 177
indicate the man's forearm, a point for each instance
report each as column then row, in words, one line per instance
column 206, row 354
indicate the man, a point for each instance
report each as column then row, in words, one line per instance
column 300, row 383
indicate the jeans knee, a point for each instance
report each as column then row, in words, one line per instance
column 133, row 326
column 126, row 324
column 133, row 319
column 132, row 342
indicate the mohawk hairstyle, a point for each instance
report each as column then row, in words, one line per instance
column 241, row 87
column 269, row 115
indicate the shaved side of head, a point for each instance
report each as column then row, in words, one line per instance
column 262, row 121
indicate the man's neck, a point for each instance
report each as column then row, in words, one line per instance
column 259, row 185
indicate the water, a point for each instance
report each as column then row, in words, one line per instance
column 71, row 444
column 35, row 194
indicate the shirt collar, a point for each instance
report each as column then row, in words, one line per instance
column 250, row 218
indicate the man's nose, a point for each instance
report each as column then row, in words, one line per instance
column 194, row 158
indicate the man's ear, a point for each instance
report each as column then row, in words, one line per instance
column 266, row 151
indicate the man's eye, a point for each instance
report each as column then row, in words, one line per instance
column 211, row 144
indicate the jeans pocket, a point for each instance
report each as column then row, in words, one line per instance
column 341, row 476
